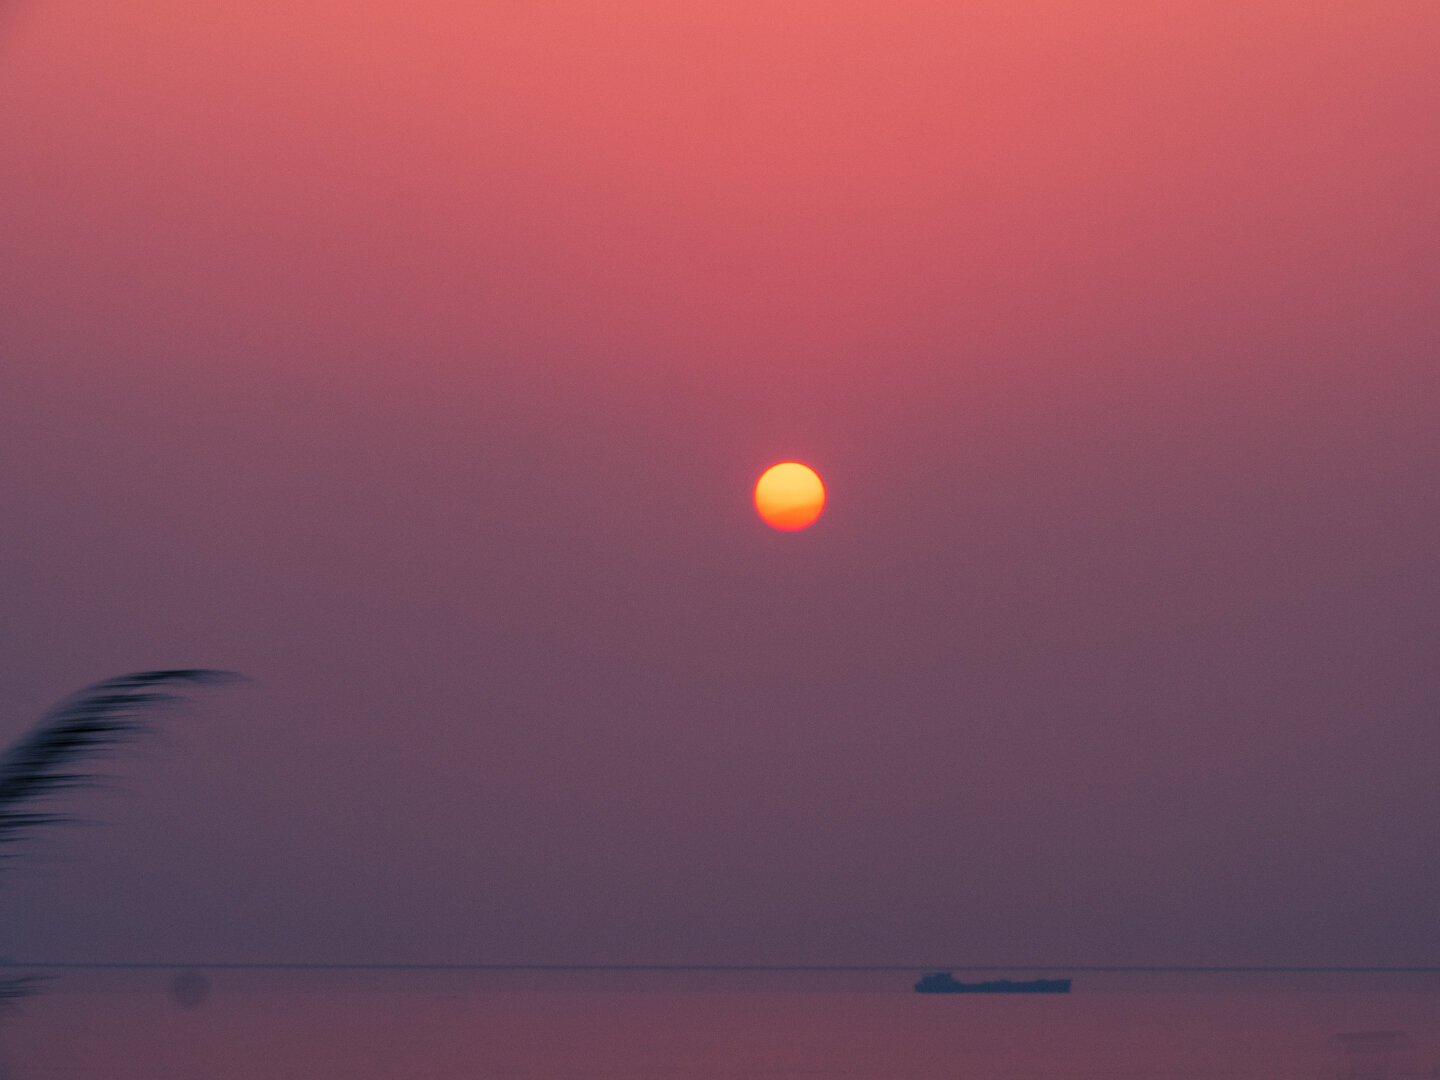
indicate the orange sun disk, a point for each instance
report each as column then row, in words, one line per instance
column 789, row 496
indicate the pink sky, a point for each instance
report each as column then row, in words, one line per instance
column 418, row 360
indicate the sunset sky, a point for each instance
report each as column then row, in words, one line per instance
column 419, row 361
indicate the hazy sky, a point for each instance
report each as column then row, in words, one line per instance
column 417, row 360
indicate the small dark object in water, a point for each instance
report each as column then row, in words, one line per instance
column 190, row 989
column 942, row 982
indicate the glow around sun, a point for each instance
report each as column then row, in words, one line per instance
column 789, row 496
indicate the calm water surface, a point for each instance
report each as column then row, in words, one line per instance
column 448, row 1026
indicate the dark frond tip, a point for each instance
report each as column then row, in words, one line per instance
column 164, row 675
column 16, row 988
column 11, row 822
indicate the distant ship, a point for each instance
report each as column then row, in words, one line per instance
column 942, row 982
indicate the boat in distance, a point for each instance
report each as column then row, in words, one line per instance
column 942, row 982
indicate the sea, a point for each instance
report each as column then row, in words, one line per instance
column 450, row 1024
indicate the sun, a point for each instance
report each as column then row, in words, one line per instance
column 789, row 496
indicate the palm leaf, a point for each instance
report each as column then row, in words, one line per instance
column 85, row 725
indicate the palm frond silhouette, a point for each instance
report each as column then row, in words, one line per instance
column 85, row 726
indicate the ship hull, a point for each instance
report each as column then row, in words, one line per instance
column 932, row 984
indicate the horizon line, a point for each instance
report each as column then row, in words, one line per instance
column 1116, row 969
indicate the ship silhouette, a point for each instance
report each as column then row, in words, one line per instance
column 942, row 982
